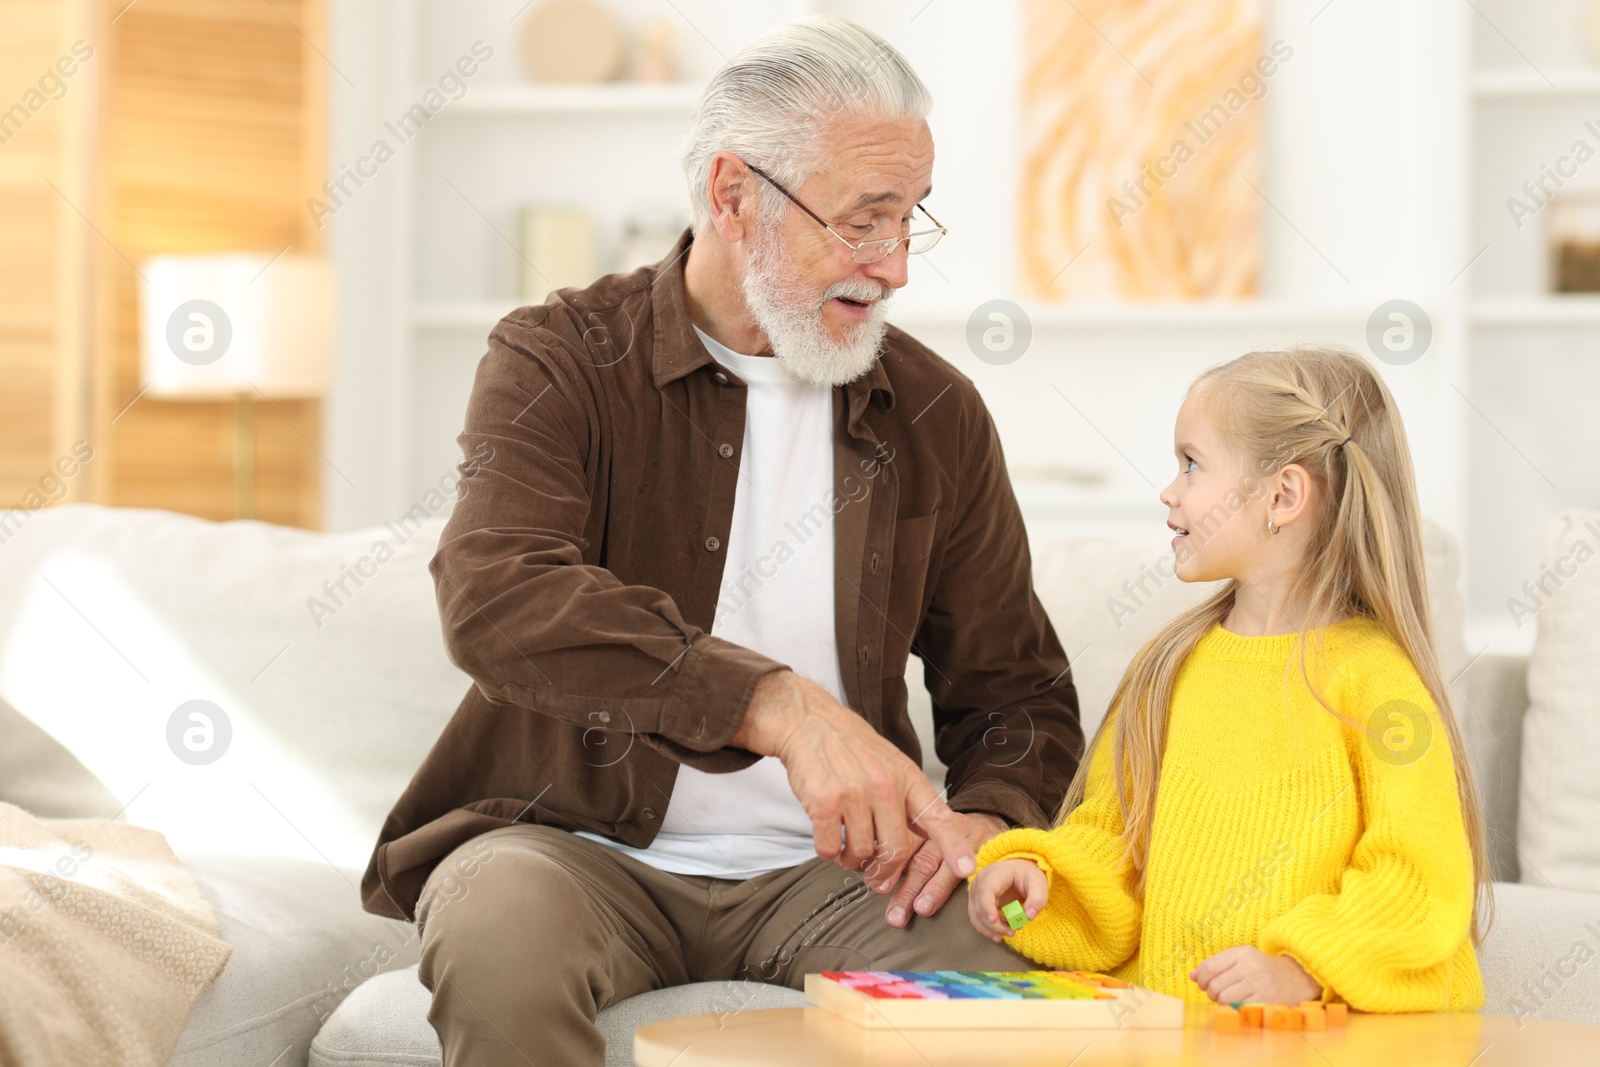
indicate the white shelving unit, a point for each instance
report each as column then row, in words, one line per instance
column 1532, row 311
column 444, row 217
column 1532, row 354
column 1394, row 169
column 450, row 207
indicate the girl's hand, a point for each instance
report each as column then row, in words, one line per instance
column 1001, row 882
column 1246, row 973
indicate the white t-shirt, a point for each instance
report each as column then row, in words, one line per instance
column 776, row 598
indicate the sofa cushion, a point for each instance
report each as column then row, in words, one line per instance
column 1494, row 701
column 385, row 1022
column 1561, row 732
column 300, row 942
column 319, row 656
column 1541, row 958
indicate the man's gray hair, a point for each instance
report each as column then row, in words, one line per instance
column 771, row 101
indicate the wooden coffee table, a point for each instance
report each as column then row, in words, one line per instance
column 790, row 1037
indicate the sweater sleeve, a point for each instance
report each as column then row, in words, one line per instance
column 1092, row 919
column 1394, row 935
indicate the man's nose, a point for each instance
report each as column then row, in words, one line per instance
column 891, row 269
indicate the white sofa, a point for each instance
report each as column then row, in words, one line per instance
column 110, row 619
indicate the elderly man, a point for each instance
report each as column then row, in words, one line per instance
column 725, row 502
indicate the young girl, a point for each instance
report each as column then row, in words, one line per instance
column 1294, row 818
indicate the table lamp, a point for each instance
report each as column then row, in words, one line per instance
column 236, row 325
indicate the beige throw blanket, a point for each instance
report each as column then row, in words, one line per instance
column 105, row 942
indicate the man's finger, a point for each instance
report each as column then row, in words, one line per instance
column 825, row 836
column 937, row 891
column 934, row 819
column 889, row 818
column 859, row 843
column 924, row 866
column 887, row 864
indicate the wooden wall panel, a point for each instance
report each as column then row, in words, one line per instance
column 212, row 113
column 43, row 265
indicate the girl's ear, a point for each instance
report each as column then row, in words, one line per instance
column 1291, row 496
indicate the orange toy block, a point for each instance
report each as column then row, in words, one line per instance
column 1225, row 1020
column 1283, row 1017
column 1338, row 1014
column 1315, row 1017
column 1250, row 1016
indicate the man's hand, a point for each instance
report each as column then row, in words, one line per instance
column 869, row 804
column 929, row 879
column 1244, row 972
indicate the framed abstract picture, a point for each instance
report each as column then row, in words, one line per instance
column 1141, row 126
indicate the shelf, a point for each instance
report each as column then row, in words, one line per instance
column 477, row 315
column 482, row 314
column 1158, row 315
column 1567, row 310
column 1526, row 83
column 613, row 98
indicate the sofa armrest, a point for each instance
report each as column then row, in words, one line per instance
column 1491, row 698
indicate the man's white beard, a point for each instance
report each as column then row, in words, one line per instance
column 792, row 317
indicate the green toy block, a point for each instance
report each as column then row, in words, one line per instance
column 1015, row 915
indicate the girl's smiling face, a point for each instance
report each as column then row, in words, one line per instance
column 1218, row 509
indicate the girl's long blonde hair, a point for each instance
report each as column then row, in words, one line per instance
column 1328, row 411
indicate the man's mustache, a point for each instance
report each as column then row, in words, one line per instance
column 854, row 290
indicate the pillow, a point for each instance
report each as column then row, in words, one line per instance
column 1560, row 795
column 44, row 779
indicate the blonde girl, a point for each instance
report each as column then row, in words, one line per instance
column 1294, row 817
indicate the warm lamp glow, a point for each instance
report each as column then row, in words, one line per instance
column 220, row 325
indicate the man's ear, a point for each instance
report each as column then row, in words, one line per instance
column 1291, row 495
column 731, row 198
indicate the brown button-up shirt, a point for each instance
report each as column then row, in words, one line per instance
column 579, row 572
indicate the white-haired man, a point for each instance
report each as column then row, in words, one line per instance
column 725, row 503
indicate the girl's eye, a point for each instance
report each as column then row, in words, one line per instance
column 1188, row 464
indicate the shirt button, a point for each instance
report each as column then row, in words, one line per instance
column 649, row 813
column 603, row 716
column 712, row 544
column 725, row 450
column 722, row 379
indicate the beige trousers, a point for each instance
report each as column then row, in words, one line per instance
column 528, row 931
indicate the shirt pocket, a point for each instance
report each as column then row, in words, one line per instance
column 908, row 581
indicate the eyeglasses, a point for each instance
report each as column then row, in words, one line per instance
column 869, row 251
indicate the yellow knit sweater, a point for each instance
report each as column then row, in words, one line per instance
column 1278, row 826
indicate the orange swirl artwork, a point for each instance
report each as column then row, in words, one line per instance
column 1141, row 131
